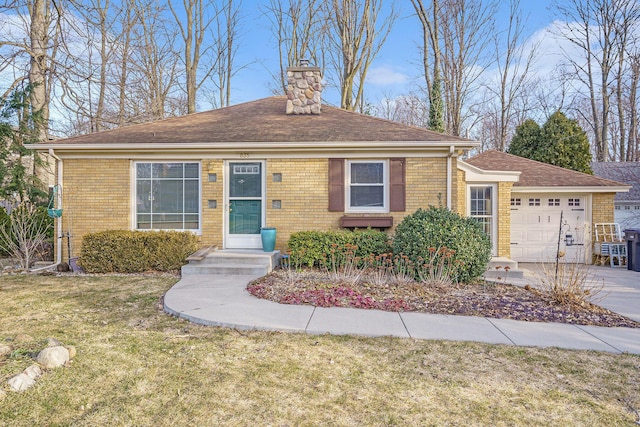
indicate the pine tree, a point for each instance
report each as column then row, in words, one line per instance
column 560, row 142
column 18, row 129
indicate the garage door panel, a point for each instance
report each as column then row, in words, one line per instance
column 533, row 218
column 532, row 236
column 535, row 227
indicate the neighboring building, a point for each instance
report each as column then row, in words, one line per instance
column 627, row 205
column 289, row 163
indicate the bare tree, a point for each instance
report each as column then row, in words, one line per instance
column 467, row 26
column 224, row 50
column 193, row 23
column 24, row 238
column 411, row 109
column 455, row 35
column 597, row 29
column 128, row 20
column 154, row 66
column 514, row 59
column 40, row 22
column 357, row 32
column 633, row 142
column 298, row 26
column 429, row 18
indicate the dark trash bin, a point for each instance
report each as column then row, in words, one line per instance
column 632, row 237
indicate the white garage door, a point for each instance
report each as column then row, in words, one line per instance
column 535, row 226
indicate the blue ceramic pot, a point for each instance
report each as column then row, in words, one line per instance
column 268, row 236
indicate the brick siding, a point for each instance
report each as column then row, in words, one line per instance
column 96, row 196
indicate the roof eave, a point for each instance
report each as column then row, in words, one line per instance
column 263, row 146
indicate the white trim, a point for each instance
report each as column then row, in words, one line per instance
column 574, row 189
column 58, row 222
column 251, row 241
column 494, row 210
column 385, row 188
column 260, row 145
column 449, row 173
column 285, row 154
column 474, row 174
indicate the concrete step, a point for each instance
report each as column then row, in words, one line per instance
column 271, row 259
column 241, row 262
column 502, row 274
column 229, row 269
column 501, row 267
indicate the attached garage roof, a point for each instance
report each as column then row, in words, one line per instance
column 265, row 121
column 537, row 174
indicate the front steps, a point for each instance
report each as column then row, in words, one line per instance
column 259, row 263
column 498, row 266
column 236, row 262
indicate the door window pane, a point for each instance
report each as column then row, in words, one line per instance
column 245, row 180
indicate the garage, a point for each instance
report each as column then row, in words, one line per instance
column 536, row 225
column 530, row 197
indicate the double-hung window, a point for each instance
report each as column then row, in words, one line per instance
column 482, row 208
column 367, row 186
column 167, row 196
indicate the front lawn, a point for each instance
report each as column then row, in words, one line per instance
column 138, row 366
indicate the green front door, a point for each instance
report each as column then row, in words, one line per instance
column 245, row 190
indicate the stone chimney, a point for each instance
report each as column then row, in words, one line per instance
column 304, row 89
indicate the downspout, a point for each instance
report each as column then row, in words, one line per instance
column 449, row 171
column 59, row 222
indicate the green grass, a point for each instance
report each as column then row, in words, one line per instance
column 137, row 366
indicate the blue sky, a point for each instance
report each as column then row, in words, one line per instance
column 394, row 72
column 396, row 68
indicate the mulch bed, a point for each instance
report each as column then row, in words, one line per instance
column 493, row 300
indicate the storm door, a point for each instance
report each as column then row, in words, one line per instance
column 245, row 204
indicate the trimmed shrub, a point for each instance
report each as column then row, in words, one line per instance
column 312, row 247
column 122, row 251
column 426, row 230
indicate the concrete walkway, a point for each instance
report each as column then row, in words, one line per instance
column 222, row 300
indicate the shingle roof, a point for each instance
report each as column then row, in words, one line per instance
column 263, row 120
column 538, row 174
column 627, row 172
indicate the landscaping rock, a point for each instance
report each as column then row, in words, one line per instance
column 52, row 342
column 22, row 338
column 21, row 382
column 4, row 349
column 53, row 357
column 72, row 351
column 34, row 372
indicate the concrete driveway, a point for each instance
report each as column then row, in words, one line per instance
column 620, row 292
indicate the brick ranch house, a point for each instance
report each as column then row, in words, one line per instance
column 288, row 162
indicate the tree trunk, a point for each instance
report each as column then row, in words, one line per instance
column 38, row 66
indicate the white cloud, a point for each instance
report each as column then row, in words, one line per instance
column 385, row 75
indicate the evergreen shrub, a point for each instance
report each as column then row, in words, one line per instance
column 310, row 248
column 436, row 228
column 122, row 251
